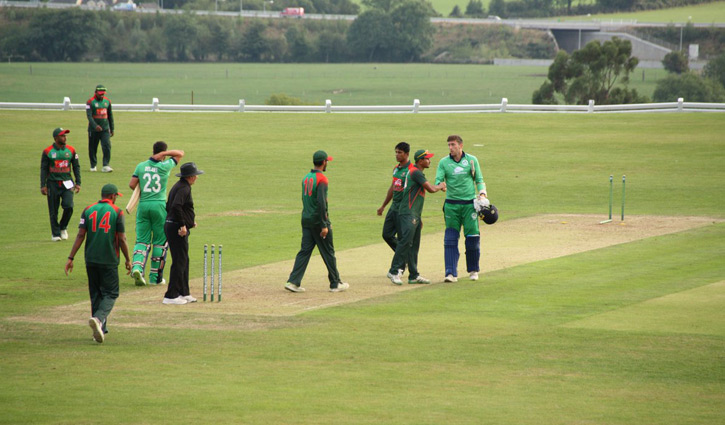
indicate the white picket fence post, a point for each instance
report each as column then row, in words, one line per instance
column 503, row 107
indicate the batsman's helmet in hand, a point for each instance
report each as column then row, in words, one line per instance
column 489, row 214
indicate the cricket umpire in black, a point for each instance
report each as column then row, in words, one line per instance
column 180, row 218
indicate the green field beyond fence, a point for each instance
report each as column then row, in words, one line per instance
column 344, row 84
column 627, row 334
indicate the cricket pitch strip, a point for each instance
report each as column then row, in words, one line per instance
column 255, row 298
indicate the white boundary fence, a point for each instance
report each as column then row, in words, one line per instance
column 416, row 107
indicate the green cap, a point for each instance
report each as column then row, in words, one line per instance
column 320, row 156
column 59, row 132
column 101, row 88
column 110, row 189
column 422, row 153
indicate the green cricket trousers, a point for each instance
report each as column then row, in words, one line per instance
column 311, row 238
column 103, row 289
column 408, row 246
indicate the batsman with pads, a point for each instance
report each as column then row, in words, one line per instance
column 150, row 179
column 462, row 174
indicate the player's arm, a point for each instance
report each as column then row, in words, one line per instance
column 440, row 172
column 89, row 115
column 176, row 154
column 124, row 249
column 432, row 189
column 121, row 235
column 322, row 208
column 388, row 197
column 111, row 125
column 480, row 184
column 74, row 250
column 133, row 183
column 419, row 178
column 44, row 164
column 76, row 171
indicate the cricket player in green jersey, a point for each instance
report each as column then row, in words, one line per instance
column 100, row 127
column 316, row 228
column 102, row 228
column 462, row 174
column 395, row 193
column 56, row 182
column 409, row 219
column 152, row 175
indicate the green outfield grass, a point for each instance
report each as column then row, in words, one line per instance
column 707, row 13
column 702, row 14
column 344, row 84
column 569, row 340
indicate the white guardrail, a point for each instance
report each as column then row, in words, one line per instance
column 416, row 107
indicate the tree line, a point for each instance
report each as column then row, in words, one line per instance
column 600, row 72
column 390, row 31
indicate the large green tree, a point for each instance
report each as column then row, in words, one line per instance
column 180, row 33
column 591, row 73
column 64, row 35
column 401, row 35
column 370, row 35
column 413, row 30
column 676, row 62
column 690, row 87
column 715, row 69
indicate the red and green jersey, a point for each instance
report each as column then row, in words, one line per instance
column 152, row 176
column 314, row 200
column 400, row 172
column 103, row 222
column 56, row 164
column 99, row 112
column 413, row 193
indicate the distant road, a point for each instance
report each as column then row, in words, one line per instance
column 543, row 24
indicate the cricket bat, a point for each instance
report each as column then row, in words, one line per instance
column 133, row 201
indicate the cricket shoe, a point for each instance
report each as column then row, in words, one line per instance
column 97, row 327
column 138, row 278
column 473, row 275
column 55, row 239
column 341, row 287
column 419, row 279
column 106, row 169
column 293, row 288
column 163, row 282
column 94, row 169
column 189, row 299
column 450, row 278
column 64, row 234
column 395, row 278
column 175, row 301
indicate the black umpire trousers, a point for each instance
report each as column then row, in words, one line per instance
column 179, row 275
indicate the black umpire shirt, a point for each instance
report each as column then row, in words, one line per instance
column 180, row 205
